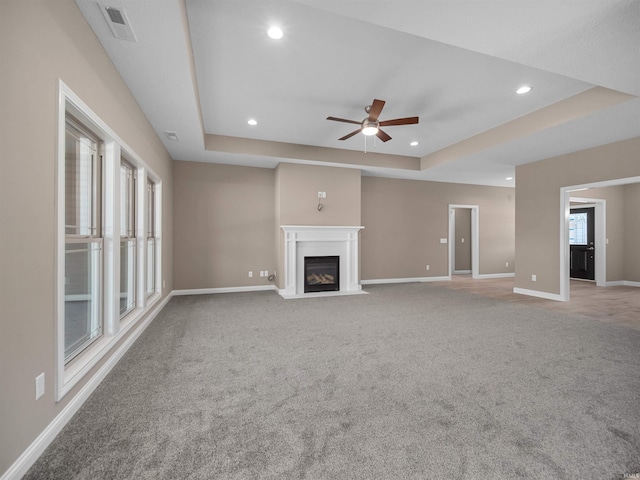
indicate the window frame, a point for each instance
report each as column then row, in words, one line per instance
column 93, row 226
column 150, row 235
column 114, row 328
column 128, row 232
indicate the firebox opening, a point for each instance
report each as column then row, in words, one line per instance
column 321, row 274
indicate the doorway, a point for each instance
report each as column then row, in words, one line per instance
column 582, row 252
column 461, row 251
column 463, row 240
column 566, row 197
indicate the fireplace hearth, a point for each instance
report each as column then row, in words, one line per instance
column 322, row 274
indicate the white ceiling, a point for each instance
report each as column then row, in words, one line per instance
column 204, row 67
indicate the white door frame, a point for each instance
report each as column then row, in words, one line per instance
column 475, row 238
column 565, row 208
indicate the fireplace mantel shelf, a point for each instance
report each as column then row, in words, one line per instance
column 312, row 240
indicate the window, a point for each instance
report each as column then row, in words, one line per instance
column 151, row 238
column 83, row 239
column 128, row 246
column 108, row 243
column 578, row 228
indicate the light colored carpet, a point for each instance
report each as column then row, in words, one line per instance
column 412, row 381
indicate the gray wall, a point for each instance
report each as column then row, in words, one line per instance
column 632, row 232
column 227, row 221
column 223, row 225
column 298, row 195
column 404, row 221
column 40, row 42
column 538, row 205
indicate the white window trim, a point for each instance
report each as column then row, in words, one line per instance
column 68, row 376
column 158, row 238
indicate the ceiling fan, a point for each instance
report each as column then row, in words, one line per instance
column 371, row 125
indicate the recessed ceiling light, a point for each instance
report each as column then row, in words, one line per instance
column 524, row 89
column 509, row 178
column 414, row 143
column 275, row 33
column 252, row 121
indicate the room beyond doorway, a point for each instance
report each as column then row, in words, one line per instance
column 461, row 258
column 470, row 240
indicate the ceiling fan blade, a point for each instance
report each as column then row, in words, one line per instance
column 336, row 119
column 376, row 108
column 350, row 134
column 399, row 121
column 383, row 136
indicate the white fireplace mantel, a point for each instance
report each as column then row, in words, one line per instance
column 309, row 241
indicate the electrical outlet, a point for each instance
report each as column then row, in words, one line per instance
column 462, row 241
column 506, row 264
column 428, row 267
column 250, row 274
column 534, row 278
column 266, row 273
column 39, row 386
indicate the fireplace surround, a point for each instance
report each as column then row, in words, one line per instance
column 302, row 241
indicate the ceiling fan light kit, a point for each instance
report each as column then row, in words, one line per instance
column 371, row 125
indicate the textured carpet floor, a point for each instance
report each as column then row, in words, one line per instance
column 410, row 382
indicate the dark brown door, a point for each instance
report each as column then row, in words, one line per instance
column 581, row 243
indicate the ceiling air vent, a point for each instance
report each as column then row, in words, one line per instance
column 172, row 136
column 118, row 23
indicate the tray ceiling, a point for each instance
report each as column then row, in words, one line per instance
column 203, row 68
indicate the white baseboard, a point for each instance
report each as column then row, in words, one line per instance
column 380, row 281
column 622, row 283
column 557, row 297
column 208, row 291
column 42, row 441
column 537, row 293
column 495, row 275
column 461, row 272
